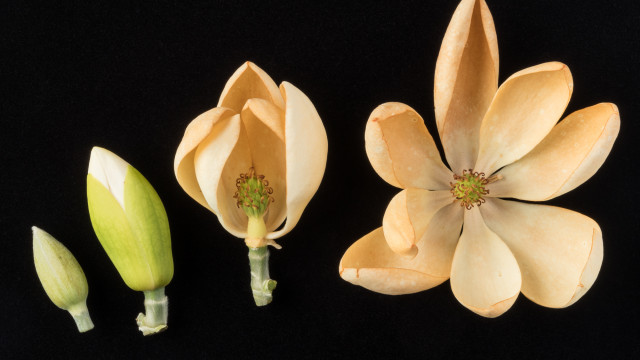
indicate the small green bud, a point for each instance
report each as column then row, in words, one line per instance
column 62, row 277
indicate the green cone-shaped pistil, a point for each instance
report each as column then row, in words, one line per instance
column 253, row 194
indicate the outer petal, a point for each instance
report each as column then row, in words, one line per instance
column 401, row 150
column 524, row 110
column 408, row 215
column 306, row 154
column 370, row 263
column 485, row 277
column 466, row 80
column 248, row 82
column 219, row 160
column 264, row 123
column 558, row 250
column 183, row 165
column 572, row 152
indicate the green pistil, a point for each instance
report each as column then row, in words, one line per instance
column 253, row 194
column 469, row 188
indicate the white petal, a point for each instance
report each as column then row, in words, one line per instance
column 306, row 154
column 485, row 276
column 110, row 170
column 466, row 80
column 571, row 153
column 249, row 82
column 526, row 107
column 219, row 160
column 408, row 216
column 559, row 251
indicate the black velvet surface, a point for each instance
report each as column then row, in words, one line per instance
column 130, row 77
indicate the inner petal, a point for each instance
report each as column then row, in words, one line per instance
column 408, row 216
column 249, row 82
column 264, row 124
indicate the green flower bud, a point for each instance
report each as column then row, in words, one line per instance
column 132, row 226
column 62, row 277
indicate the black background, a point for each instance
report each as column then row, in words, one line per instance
column 130, row 78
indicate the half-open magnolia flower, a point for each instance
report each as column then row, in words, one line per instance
column 256, row 128
column 499, row 142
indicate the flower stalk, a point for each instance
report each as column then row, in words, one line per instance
column 156, row 306
column 261, row 285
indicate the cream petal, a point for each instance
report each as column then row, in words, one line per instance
column 466, row 80
column 402, row 151
column 408, row 216
column 524, row 110
column 485, row 276
column 183, row 165
column 572, row 152
column 248, row 82
column 264, row 123
column 370, row 263
column 218, row 161
column 559, row 251
column 306, row 154
column 438, row 243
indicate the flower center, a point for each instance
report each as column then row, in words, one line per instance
column 253, row 194
column 469, row 188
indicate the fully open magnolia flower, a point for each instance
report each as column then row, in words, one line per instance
column 499, row 142
column 254, row 160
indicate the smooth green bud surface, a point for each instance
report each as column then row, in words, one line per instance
column 59, row 272
column 132, row 226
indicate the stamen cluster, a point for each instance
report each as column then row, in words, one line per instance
column 469, row 188
column 253, row 194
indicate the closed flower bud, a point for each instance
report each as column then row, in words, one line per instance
column 62, row 277
column 131, row 224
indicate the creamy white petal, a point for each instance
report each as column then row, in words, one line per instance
column 306, row 154
column 183, row 165
column 408, row 216
column 466, row 80
column 559, row 251
column 485, row 276
column 264, row 123
column 524, row 110
column 249, row 82
column 219, row 160
column 402, row 151
column 370, row 263
column 572, row 152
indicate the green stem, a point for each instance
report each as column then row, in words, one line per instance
column 81, row 316
column 156, row 307
column 261, row 285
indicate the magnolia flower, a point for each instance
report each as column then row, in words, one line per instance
column 255, row 160
column 132, row 226
column 499, row 142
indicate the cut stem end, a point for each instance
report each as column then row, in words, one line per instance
column 261, row 285
column 156, row 306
